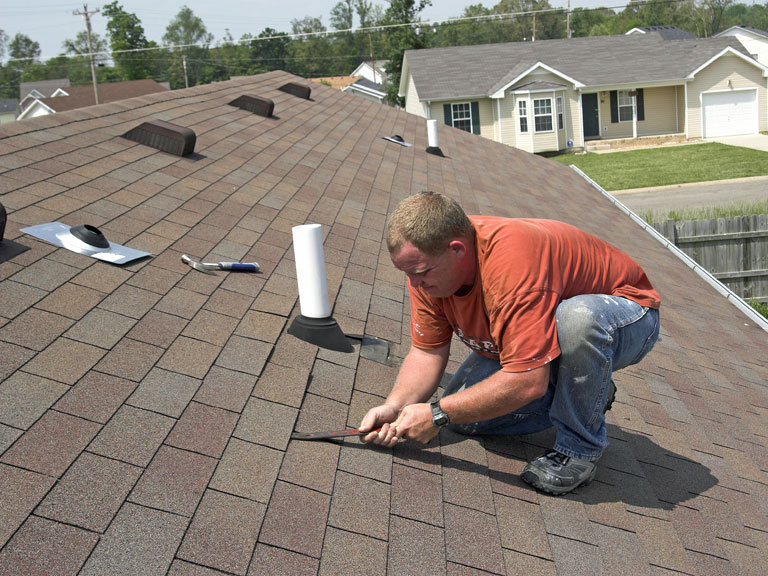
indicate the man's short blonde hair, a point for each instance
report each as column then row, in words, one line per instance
column 429, row 221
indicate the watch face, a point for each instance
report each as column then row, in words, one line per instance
column 439, row 417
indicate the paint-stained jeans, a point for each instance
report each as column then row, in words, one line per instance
column 597, row 334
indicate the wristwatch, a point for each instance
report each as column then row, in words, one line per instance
column 439, row 418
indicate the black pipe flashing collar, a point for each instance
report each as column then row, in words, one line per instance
column 298, row 90
column 3, row 220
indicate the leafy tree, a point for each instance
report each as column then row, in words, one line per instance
column 400, row 39
column 188, row 38
column 343, row 15
column 79, row 47
column 128, row 43
column 3, row 43
column 269, row 50
column 24, row 50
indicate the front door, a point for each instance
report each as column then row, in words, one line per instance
column 591, row 116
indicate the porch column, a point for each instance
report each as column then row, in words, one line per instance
column 634, row 113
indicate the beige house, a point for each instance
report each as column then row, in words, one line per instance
column 553, row 95
column 755, row 41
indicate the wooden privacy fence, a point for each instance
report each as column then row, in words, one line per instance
column 733, row 250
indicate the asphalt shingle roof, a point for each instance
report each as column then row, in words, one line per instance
column 478, row 71
column 146, row 410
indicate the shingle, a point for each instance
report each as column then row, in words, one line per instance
column 283, row 385
column 52, row 444
column 174, row 481
column 65, row 360
column 348, row 553
column 225, row 389
column 139, row 540
column 90, row 493
column 470, row 539
column 20, row 492
column 266, row 423
column 100, row 328
column 284, row 528
column 189, row 356
column 417, row 495
column 165, row 392
column 269, row 560
column 244, row 355
column 8, row 436
column 247, row 470
column 46, row 274
column 415, row 548
column 24, row 398
column 261, row 326
column 223, row 532
column 132, row 435
column 42, row 547
column 332, row 381
column 158, row 329
column 203, row 429
column 71, row 300
column 355, row 501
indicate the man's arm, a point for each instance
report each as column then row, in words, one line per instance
column 417, row 380
column 499, row 394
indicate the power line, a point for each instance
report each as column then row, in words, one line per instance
column 375, row 28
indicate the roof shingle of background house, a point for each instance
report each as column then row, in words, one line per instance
column 146, row 410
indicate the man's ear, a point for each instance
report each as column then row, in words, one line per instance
column 459, row 247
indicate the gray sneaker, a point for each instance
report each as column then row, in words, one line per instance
column 556, row 473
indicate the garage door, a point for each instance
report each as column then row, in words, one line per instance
column 730, row 113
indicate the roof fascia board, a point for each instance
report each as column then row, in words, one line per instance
column 500, row 92
column 632, row 85
column 729, row 50
column 538, row 90
column 364, row 90
column 742, row 30
column 405, row 73
column 59, row 92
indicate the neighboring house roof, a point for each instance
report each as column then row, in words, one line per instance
column 664, row 32
column 8, row 105
column 365, row 86
column 146, row 410
column 484, row 70
column 337, row 82
column 748, row 29
column 44, row 88
column 82, row 96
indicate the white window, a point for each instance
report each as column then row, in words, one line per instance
column 522, row 112
column 542, row 115
column 625, row 106
column 559, row 112
column 461, row 116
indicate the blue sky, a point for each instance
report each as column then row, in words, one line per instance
column 50, row 22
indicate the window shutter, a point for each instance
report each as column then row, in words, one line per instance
column 448, row 117
column 640, row 105
column 614, row 106
column 475, row 108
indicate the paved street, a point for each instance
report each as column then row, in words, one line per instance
column 702, row 194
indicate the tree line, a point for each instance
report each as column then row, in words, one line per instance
column 359, row 30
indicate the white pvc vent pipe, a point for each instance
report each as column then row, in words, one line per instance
column 310, row 270
column 432, row 134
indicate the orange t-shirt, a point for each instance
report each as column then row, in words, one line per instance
column 525, row 268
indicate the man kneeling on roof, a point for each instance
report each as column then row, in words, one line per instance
column 549, row 312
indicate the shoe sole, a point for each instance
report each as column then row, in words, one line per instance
column 531, row 478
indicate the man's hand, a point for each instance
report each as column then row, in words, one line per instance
column 415, row 423
column 379, row 417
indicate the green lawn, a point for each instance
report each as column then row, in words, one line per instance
column 669, row 165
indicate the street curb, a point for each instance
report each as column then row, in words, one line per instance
column 688, row 185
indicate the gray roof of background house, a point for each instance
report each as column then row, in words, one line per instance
column 146, row 410
column 365, row 83
column 8, row 104
column 667, row 32
column 45, row 87
column 479, row 71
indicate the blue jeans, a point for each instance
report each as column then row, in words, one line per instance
column 598, row 334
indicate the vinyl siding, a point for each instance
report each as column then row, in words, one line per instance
column 715, row 78
column 412, row 104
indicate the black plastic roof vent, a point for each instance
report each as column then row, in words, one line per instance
column 254, row 104
column 164, row 136
column 297, row 90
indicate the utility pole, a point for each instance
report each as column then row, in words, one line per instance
column 569, row 19
column 87, row 15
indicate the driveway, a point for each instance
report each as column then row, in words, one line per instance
column 756, row 141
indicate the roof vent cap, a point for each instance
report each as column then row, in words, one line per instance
column 254, row 104
column 164, row 136
column 296, row 89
